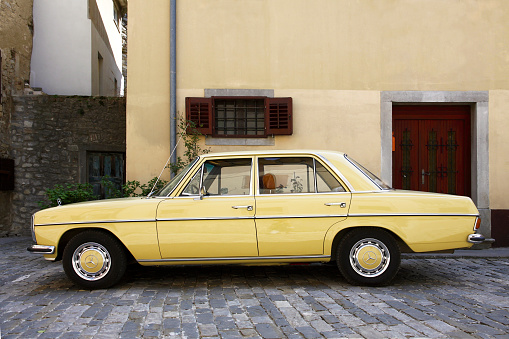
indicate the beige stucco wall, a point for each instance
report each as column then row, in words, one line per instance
column 333, row 57
column 343, row 44
column 499, row 156
column 148, row 97
column 325, row 120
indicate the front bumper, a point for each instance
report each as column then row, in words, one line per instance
column 475, row 238
column 41, row 249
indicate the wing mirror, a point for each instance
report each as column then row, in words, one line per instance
column 203, row 192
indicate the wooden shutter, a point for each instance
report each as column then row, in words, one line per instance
column 278, row 116
column 6, row 174
column 199, row 111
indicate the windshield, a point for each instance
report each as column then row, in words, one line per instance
column 379, row 182
column 166, row 190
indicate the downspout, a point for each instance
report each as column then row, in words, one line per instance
column 173, row 80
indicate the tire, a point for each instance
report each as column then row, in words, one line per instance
column 368, row 256
column 94, row 259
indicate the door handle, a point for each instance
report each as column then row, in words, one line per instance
column 248, row 207
column 423, row 174
column 340, row 204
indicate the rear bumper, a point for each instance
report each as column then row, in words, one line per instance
column 41, row 249
column 475, row 238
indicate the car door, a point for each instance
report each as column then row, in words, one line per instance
column 297, row 201
column 213, row 216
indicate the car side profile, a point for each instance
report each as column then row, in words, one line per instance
column 268, row 207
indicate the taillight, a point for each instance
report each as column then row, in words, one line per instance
column 477, row 223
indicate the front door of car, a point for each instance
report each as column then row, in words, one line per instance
column 295, row 207
column 217, row 222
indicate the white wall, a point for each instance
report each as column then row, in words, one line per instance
column 66, row 47
column 61, row 54
column 111, row 64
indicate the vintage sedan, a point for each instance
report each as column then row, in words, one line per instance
column 268, row 207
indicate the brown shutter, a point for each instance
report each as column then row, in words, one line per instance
column 6, row 174
column 199, row 111
column 278, row 116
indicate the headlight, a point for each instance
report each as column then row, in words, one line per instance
column 33, row 229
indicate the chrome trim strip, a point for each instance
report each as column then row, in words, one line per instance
column 41, row 249
column 297, row 194
column 412, row 215
column 270, row 217
column 238, row 258
column 204, row 218
column 94, row 222
column 301, row 216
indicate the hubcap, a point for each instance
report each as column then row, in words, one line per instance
column 369, row 257
column 91, row 261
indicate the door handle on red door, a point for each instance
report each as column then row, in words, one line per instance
column 340, row 204
column 423, row 174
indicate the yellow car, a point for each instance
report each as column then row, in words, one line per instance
column 258, row 208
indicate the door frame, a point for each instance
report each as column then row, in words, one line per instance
column 479, row 102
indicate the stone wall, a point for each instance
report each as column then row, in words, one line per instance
column 16, row 31
column 50, row 136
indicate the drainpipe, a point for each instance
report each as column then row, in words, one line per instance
column 173, row 80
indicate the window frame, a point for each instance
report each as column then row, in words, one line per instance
column 200, row 169
column 278, row 115
column 315, row 177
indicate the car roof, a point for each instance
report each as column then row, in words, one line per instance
column 272, row 152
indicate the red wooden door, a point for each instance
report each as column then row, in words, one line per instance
column 432, row 148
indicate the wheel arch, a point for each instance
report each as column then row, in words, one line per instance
column 404, row 248
column 69, row 234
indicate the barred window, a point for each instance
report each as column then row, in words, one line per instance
column 241, row 116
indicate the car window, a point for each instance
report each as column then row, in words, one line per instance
column 221, row 177
column 166, row 190
column 286, row 175
column 325, row 181
column 193, row 188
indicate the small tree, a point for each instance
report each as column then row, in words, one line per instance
column 188, row 132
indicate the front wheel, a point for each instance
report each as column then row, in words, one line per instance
column 368, row 256
column 94, row 259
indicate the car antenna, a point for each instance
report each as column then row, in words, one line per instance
column 167, row 161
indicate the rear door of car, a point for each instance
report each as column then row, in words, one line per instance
column 298, row 199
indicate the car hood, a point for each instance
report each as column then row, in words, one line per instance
column 108, row 210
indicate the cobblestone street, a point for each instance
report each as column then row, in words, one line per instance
column 440, row 297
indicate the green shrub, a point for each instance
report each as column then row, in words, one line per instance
column 68, row 194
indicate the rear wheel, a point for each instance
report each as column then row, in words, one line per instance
column 94, row 259
column 368, row 256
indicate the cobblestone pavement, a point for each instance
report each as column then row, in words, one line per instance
column 432, row 298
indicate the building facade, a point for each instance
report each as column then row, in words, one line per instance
column 78, row 47
column 416, row 90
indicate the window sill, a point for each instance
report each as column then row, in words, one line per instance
column 210, row 141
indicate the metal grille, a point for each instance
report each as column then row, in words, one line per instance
column 239, row 117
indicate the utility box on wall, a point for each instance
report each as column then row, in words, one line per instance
column 6, row 174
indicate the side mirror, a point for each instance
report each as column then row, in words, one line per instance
column 202, row 193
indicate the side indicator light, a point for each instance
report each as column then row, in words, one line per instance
column 477, row 223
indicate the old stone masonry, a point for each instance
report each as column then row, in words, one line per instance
column 432, row 297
